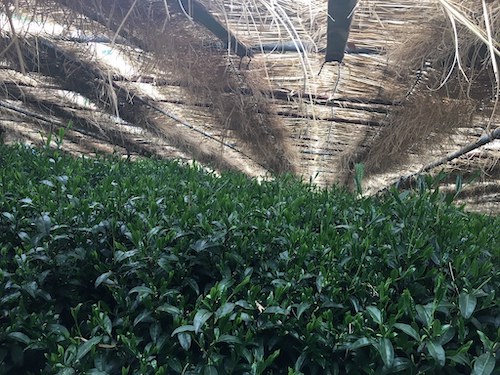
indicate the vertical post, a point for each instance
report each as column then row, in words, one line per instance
column 340, row 13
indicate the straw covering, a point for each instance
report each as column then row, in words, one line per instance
column 235, row 85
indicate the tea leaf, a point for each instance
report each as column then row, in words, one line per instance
column 19, row 336
column 425, row 314
column 467, row 304
column 172, row 310
column 360, row 343
column 400, row 364
column 300, row 361
column 225, row 309
column 155, row 331
column 484, row 364
column 375, row 314
column 487, row 343
column 406, row 328
column 144, row 316
column 103, row 278
column 275, row 310
column 43, row 224
column 229, row 339
column 301, row 308
column 200, row 318
column 386, row 351
column 319, row 282
column 210, row 370
column 66, row 371
column 86, row 347
column 447, row 334
column 185, row 340
column 9, row 216
column 437, row 352
column 181, row 329
column 460, row 358
column 143, row 291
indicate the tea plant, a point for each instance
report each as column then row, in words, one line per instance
column 152, row 267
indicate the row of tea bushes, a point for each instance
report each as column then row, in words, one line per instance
column 152, row 267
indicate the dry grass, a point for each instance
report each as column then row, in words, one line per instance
column 422, row 123
column 235, row 96
column 179, row 49
column 457, row 79
column 460, row 61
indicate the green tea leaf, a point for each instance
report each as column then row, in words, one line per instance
column 95, row 371
column 200, row 318
column 275, row 310
column 375, row 314
column 300, row 362
column 467, row 304
column 120, row 256
column 31, row 288
column 169, row 309
column 487, row 343
column 425, row 314
column 185, row 340
column 19, row 336
column 193, row 285
column 319, row 282
column 86, row 347
column 447, row 334
column 155, row 331
column 386, row 351
column 301, row 308
column 43, row 224
column 24, row 236
column 181, row 329
column 270, row 359
column 66, row 371
column 229, row 339
column 9, row 216
column 47, row 183
column 107, row 325
column 59, row 329
column 244, row 304
column 144, row 316
column 437, row 352
column 210, row 370
column 360, row 343
column 406, row 328
column 225, row 309
column 103, row 278
column 143, row 291
column 460, row 358
column 400, row 364
column 484, row 364
column 202, row 245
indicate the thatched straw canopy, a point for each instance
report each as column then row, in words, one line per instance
column 143, row 77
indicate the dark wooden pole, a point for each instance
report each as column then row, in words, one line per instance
column 202, row 16
column 340, row 13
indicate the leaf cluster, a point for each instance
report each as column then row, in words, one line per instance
column 152, row 267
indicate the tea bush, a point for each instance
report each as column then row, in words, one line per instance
column 152, row 267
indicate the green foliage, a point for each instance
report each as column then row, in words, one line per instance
column 151, row 267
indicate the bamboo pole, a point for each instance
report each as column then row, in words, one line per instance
column 483, row 140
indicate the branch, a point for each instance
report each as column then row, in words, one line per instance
column 485, row 139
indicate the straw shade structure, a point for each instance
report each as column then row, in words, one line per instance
column 145, row 78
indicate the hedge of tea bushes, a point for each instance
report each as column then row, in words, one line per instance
column 153, row 267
